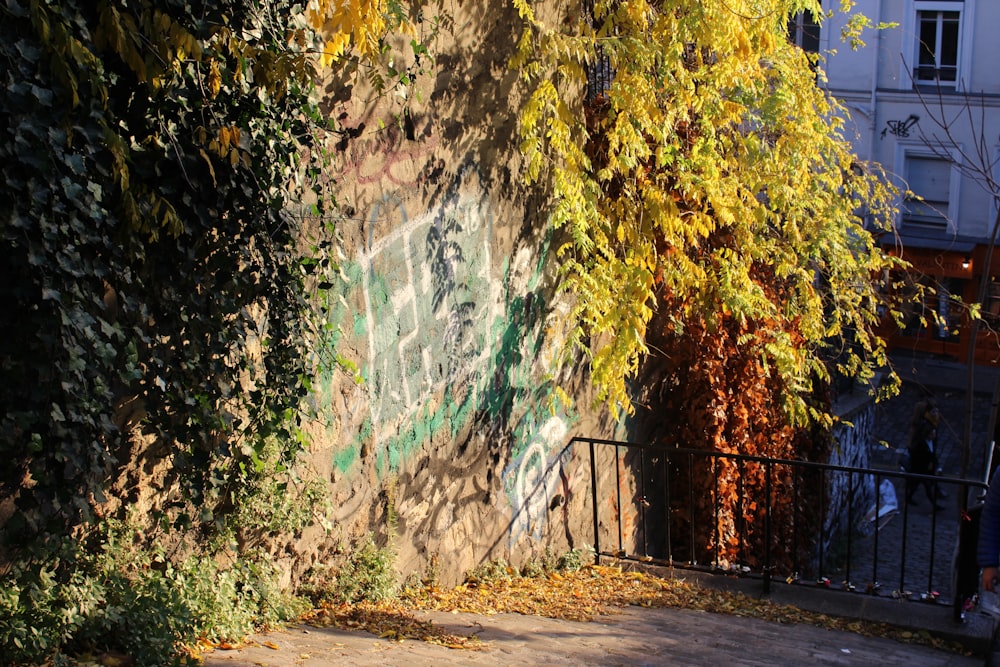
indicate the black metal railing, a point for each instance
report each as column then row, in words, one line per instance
column 600, row 74
column 836, row 526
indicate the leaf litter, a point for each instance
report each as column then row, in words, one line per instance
column 580, row 595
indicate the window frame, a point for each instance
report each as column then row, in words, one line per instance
column 938, row 19
column 798, row 26
column 963, row 57
column 907, row 152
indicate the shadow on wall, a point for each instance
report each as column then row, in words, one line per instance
column 462, row 110
column 446, row 309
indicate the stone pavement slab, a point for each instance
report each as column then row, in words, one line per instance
column 634, row 637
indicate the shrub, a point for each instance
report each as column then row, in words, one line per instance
column 130, row 599
column 494, row 570
column 574, row 559
column 368, row 575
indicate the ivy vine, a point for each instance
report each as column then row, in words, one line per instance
column 152, row 275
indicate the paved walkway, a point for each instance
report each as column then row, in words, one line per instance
column 919, row 538
column 634, row 637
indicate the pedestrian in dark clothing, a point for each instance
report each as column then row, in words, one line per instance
column 988, row 549
column 924, row 461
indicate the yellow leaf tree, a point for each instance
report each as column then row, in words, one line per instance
column 717, row 230
column 358, row 25
column 701, row 173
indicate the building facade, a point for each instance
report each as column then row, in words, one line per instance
column 924, row 102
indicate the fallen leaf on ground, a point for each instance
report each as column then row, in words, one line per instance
column 388, row 620
column 593, row 590
column 579, row 595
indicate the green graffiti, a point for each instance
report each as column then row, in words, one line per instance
column 452, row 414
column 345, row 458
column 434, row 349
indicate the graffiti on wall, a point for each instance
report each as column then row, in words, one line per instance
column 439, row 341
column 385, row 155
column 900, row 128
column 428, row 305
column 423, row 305
column 533, row 477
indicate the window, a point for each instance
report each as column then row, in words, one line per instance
column 991, row 305
column 939, row 51
column 938, row 32
column 929, row 178
column 803, row 31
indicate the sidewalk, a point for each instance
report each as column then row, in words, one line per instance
column 942, row 374
column 634, row 637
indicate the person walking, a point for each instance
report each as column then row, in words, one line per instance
column 923, row 454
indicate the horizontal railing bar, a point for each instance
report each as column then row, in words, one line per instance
column 898, row 474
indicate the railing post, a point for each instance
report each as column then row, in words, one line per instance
column 618, row 495
column 694, row 558
column 796, row 565
column 668, row 503
column 740, row 518
column 850, row 530
column 930, row 565
column 593, row 495
column 767, row 528
column 716, row 535
column 643, row 501
column 902, row 546
column 825, row 480
column 878, row 510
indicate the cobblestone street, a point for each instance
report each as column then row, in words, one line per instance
column 918, row 534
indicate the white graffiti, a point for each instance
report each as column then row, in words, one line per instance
column 429, row 303
column 536, row 479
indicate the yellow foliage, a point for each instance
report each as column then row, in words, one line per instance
column 347, row 24
column 712, row 159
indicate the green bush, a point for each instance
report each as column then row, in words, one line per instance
column 574, row 559
column 494, row 570
column 367, row 575
column 40, row 609
column 145, row 615
column 537, row 567
column 132, row 600
column 500, row 570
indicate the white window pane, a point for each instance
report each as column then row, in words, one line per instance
column 930, row 179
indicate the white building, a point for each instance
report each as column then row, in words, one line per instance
column 924, row 99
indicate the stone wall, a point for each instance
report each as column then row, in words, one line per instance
column 439, row 426
column 450, row 436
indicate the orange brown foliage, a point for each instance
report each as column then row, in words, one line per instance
column 710, row 387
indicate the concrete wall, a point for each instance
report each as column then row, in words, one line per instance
column 852, row 447
column 892, row 120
